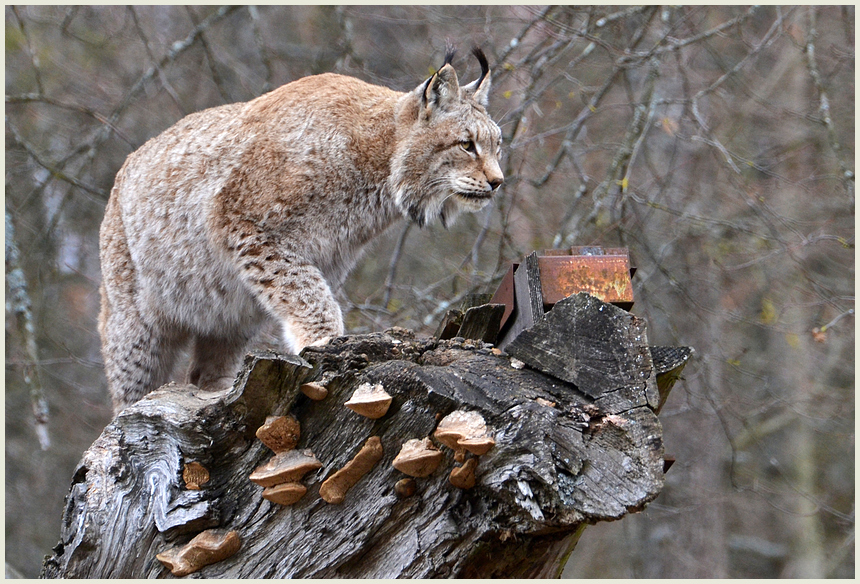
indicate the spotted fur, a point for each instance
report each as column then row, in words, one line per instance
column 256, row 211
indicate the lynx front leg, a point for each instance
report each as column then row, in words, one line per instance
column 298, row 295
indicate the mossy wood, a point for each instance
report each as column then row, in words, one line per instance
column 577, row 441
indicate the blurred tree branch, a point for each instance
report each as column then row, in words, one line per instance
column 55, row 170
column 18, row 304
column 824, row 106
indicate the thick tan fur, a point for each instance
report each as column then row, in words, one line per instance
column 258, row 210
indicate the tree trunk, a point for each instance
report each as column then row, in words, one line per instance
column 576, row 441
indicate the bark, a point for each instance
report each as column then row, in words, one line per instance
column 568, row 452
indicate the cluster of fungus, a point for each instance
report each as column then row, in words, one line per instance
column 370, row 401
column 280, row 476
column 418, row 458
column 461, row 431
column 315, row 391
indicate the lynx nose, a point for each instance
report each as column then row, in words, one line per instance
column 494, row 183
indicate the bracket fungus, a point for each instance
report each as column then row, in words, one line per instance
column 315, row 391
column 405, row 488
column 195, row 476
column 285, row 467
column 333, row 490
column 461, row 431
column 280, row 433
column 285, row 494
column 371, row 401
column 463, row 477
column 418, row 458
column 206, row 548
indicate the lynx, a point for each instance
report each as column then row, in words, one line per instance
column 254, row 211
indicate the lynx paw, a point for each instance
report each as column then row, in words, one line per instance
column 320, row 342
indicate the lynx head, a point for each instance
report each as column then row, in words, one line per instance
column 446, row 156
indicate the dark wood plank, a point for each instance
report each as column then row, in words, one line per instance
column 528, row 299
column 450, row 324
column 482, row 322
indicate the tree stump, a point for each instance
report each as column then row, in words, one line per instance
column 577, row 441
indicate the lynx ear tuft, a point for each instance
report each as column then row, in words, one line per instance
column 480, row 88
column 482, row 61
column 449, row 53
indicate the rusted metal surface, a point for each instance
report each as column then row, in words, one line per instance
column 505, row 294
column 606, row 277
column 604, row 273
column 590, row 250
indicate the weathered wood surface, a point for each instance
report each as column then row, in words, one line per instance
column 482, row 322
column 528, row 300
column 565, row 455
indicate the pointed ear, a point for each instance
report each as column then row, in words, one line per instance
column 441, row 90
column 480, row 91
column 480, row 88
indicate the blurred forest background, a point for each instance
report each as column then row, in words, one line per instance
column 716, row 143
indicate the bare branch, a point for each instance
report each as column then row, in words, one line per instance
column 161, row 76
column 673, row 44
column 34, row 58
column 824, row 106
column 176, row 49
column 392, row 265
column 39, row 98
column 54, row 169
column 210, row 59
column 18, row 303
column 254, row 13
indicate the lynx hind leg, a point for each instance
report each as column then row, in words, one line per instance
column 138, row 358
column 216, row 360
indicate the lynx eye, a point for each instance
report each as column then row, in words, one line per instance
column 468, row 146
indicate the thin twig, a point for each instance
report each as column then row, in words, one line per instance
column 261, row 47
column 34, row 58
column 176, row 49
column 824, row 106
column 210, row 59
column 38, row 98
column 161, row 76
column 395, row 260
column 52, row 168
column 636, row 129
column 673, row 44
